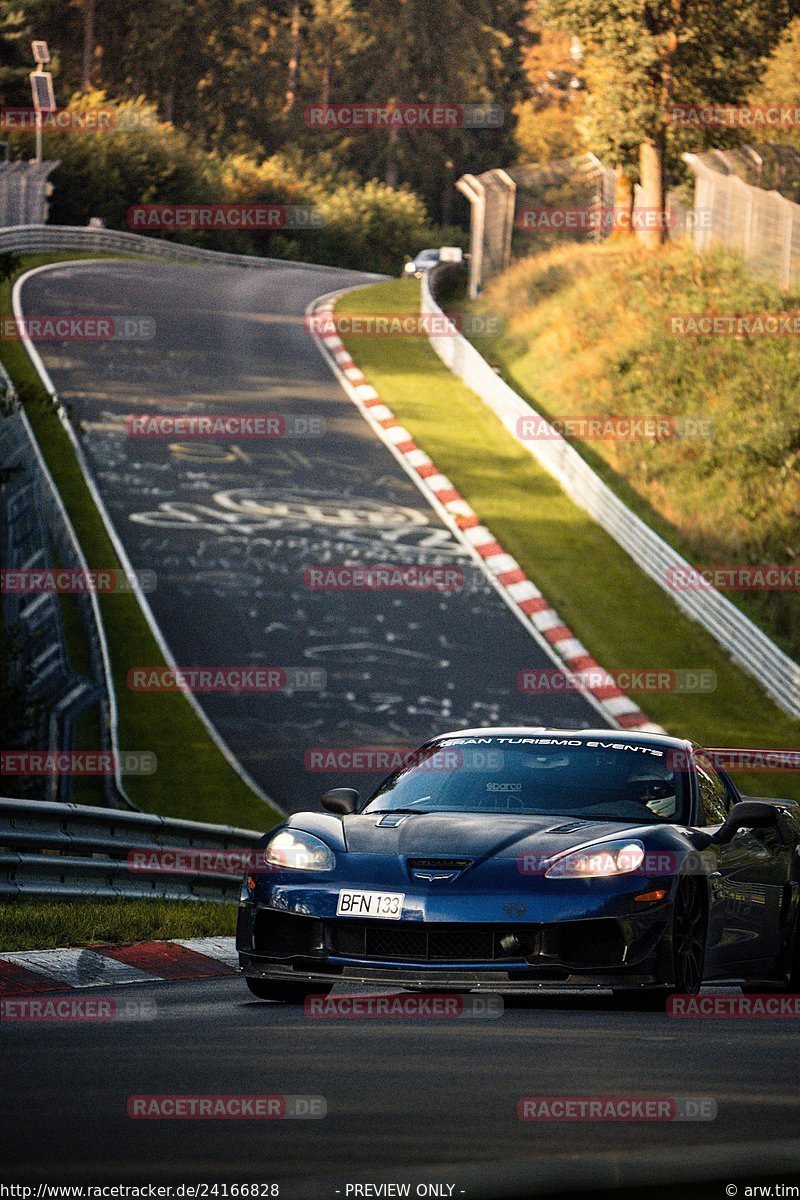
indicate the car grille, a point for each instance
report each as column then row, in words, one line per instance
column 430, row 943
column 584, row 944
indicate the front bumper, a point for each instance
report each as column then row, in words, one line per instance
column 601, row 949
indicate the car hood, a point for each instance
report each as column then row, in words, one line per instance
column 475, row 835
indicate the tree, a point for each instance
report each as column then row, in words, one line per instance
column 294, row 56
column 236, row 75
column 14, row 66
column 545, row 134
column 88, row 43
column 547, row 121
column 780, row 83
column 336, row 35
column 20, row 24
column 404, row 63
column 655, row 54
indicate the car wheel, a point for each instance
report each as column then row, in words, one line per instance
column 688, row 938
column 285, row 993
column 688, row 954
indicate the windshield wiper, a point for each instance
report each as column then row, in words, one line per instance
column 385, row 812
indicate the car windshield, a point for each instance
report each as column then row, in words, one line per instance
column 591, row 779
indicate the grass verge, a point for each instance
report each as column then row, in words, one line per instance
column 621, row 615
column 31, row 924
column 590, row 331
column 193, row 779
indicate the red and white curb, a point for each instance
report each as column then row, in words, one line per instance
column 23, row 972
column 500, row 568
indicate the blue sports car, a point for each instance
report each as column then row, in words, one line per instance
column 515, row 858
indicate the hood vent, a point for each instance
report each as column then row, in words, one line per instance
column 570, row 827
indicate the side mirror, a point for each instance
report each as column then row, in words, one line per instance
column 747, row 814
column 340, row 800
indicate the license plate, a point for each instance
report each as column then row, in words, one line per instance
column 387, row 906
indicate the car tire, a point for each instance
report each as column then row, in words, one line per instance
column 285, row 993
column 689, row 932
column 688, row 938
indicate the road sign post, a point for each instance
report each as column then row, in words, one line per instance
column 41, row 90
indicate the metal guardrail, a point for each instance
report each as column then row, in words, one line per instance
column 36, row 527
column 39, row 239
column 49, row 849
column 746, row 644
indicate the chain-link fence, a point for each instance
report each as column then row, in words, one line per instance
column 763, row 226
column 769, row 166
column 24, row 191
column 744, row 201
column 529, row 209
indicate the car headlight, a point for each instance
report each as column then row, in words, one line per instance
column 598, row 862
column 294, row 850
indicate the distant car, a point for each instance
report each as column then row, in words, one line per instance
column 425, row 261
column 507, row 859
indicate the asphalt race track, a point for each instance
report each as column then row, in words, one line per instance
column 420, row 1097
column 229, row 527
